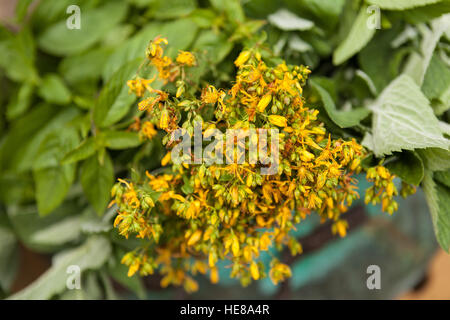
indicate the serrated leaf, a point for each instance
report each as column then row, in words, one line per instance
column 443, row 177
column 343, row 119
column 408, row 166
column 97, row 180
column 288, row 21
column 438, row 199
column 435, row 159
column 401, row 4
column 404, row 120
column 90, row 255
column 60, row 40
column 52, row 185
column 359, row 36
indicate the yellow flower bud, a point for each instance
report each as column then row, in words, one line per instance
column 264, row 102
column 242, row 58
column 279, row 121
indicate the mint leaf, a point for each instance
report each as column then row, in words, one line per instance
column 359, row 36
column 404, row 120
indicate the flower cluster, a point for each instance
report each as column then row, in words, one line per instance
column 193, row 215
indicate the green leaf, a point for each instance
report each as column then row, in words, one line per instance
column 97, row 180
column 54, row 147
column 169, row 9
column 52, row 185
column 215, row 45
column 86, row 149
column 21, row 145
column 53, row 90
column 85, row 66
column 435, row 159
column 135, row 46
column 20, row 102
column 285, row 20
column 17, row 56
column 359, row 36
column 9, row 258
column 26, row 223
column 404, row 120
column 90, row 255
column 401, row 4
column 60, row 40
column 118, row 140
column 232, row 8
column 408, row 166
column 437, row 80
column 438, row 199
column 61, row 232
column 418, row 64
column 114, row 100
column 343, row 119
column 443, row 177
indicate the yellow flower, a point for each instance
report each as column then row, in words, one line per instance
column 164, row 121
column 264, row 102
column 242, row 58
column 254, row 270
column 279, row 121
column 340, row 227
column 194, row 237
column 148, row 130
column 166, row 159
column 186, row 58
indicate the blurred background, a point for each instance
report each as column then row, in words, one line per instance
column 404, row 245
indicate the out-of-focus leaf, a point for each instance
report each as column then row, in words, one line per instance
column 169, row 9
column 97, row 180
column 343, row 119
column 114, row 100
column 22, row 143
column 288, row 21
column 417, row 66
column 52, row 185
column 90, row 255
column 54, row 147
column 409, row 167
column 53, row 90
column 404, row 120
column 358, row 37
column 64, row 231
column 83, row 151
column 216, row 46
column 401, row 4
column 85, row 66
column 437, row 80
column 232, row 8
column 117, row 140
column 17, row 56
column 60, row 40
column 435, row 159
column 438, row 199
column 443, row 177
column 9, row 258
column 134, row 47
column 20, row 102
column 26, row 222
column 22, row 9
